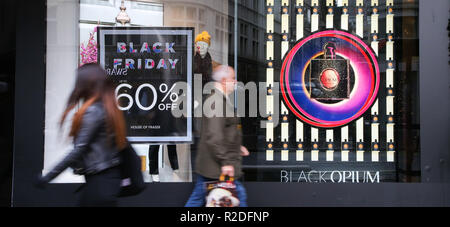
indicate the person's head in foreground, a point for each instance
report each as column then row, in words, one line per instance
column 225, row 79
column 93, row 85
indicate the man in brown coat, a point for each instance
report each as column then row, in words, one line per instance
column 220, row 151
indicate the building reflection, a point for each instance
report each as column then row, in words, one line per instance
column 203, row 15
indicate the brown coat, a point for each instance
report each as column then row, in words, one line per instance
column 220, row 141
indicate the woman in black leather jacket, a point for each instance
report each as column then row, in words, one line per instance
column 98, row 131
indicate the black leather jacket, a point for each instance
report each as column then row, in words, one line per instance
column 94, row 149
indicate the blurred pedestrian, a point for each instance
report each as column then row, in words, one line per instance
column 220, row 151
column 98, row 131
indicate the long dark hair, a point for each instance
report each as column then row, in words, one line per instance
column 93, row 85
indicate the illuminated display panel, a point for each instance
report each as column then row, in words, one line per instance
column 343, row 80
column 341, row 84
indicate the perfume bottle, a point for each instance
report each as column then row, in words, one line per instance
column 329, row 75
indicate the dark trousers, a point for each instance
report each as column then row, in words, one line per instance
column 153, row 158
column 101, row 189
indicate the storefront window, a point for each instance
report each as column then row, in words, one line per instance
column 336, row 82
column 379, row 145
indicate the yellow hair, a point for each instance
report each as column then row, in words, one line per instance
column 204, row 36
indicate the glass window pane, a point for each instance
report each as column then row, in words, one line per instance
column 341, row 83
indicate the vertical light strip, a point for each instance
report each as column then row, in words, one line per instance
column 360, row 140
column 330, row 2
column 374, row 43
column 285, row 43
column 374, row 21
column 269, row 134
column 390, row 82
column 360, row 22
column 236, row 43
column 299, row 127
column 345, row 145
column 284, row 110
column 270, row 48
column 390, row 122
column 269, row 153
column 344, row 18
column 284, row 27
column 330, row 15
column 359, row 3
column 285, row 130
column 269, row 140
column 329, row 19
column 270, row 17
column 390, row 49
column 270, row 79
column 390, row 77
column 299, row 139
column 390, row 21
column 330, row 146
column 330, row 132
column 315, row 16
column 285, row 20
column 270, row 111
column 389, row 2
column 284, row 50
column 269, row 99
column 315, row 144
column 360, row 122
column 300, row 154
column 270, row 74
column 315, row 131
column 300, row 20
column 299, row 131
column 375, row 137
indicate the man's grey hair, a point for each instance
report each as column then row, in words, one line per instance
column 221, row 72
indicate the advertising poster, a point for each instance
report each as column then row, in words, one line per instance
column 338, row 115
column 149, row 65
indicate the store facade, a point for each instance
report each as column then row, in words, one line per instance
column 344, row 102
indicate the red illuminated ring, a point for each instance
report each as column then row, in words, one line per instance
column 369, row 101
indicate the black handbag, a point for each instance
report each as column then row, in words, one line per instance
column 132, row 179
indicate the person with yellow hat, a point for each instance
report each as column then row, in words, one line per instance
column 203, row 63
column 202, row 43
